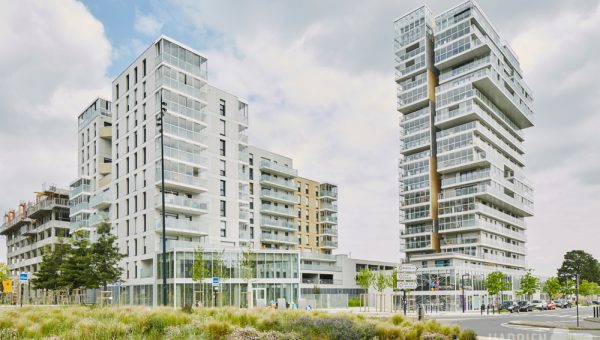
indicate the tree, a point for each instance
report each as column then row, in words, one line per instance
column 551, row 287
column 49, row 271
column 582, row 263
column 587, row 288
column 495, row 283
column 567, row 287
column 394, row 279
column 3, row 271
column 218, row 266
column 77, row 270
column 529, row 284
column 199, row 270
column 105, row 258
column 248, row 272
column 364, row 278
column 381, row 281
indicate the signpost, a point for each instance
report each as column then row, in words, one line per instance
column 407, row 279
column 23, row 279
column 215, row 286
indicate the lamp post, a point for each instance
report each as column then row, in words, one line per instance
column 462, row 282
column 159, row 124
column 577, row 296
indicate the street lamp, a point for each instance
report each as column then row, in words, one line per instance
column 159, row 125
column 577, row 296
column 462, row 281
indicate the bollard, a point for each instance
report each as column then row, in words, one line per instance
column 421, row 312
column 488, row 309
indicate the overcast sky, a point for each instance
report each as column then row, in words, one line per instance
column 319, row 79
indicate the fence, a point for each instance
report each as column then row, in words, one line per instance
column 326, row 301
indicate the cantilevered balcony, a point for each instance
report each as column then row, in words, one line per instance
column 279, row 239
column 324, row 194
column 182, row 227
column 47, row 205
column 181, row 181
column 101, row 200
column 98, row 218
column 318, row 256
column 329, row 244
column 328, row 219
column 278, row 169
column 279, row 224
column 328, row 206
column 320, row 267
column 329, row 230
column 276, row 182
column 105, row 132
column 491, row 194
column 181, row 204
column 282, row 211
column 278, row 196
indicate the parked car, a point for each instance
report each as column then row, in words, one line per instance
column 525, row 306
column 540, row 304
column 563, row 303
column 595, row 302
column 510, row 306
column 551, row 305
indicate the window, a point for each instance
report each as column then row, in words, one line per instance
column 135, row 97
column 127, row 230
column 144, row 67
column 222, row 187
column 135, row 247
column 251, row 174
column 222, row 107
column 222, row 127
column 223, row 206
column 127, row 83
column 127, row 105
column 144, row 220
column 117, row 92
column 135, row 78
column 222, row 171
column 223, row 228
column 144, row 198
column 127, row 250
column 144, row 241
column 144, row 90
column 222, row 147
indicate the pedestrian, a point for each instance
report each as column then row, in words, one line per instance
column 482, row 308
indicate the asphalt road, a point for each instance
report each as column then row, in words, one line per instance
column 497, row 326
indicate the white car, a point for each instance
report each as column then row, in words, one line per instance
column 540, row 304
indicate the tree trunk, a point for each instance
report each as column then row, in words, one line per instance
column 249, row 295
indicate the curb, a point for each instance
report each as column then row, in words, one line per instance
column 551, row 325
column 592, row 319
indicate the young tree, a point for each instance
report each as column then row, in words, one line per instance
column 567, row 287
column 394, row 279
column 199, row 270
column 248, row 272
column 3, row 271
column 364, row 278
column 551, row 287
column 49, row 273
column 218, row 266
column 382, row 281
column 586, row 288
column 77, row 270
column 495, row 283
column 529, row 285
column 105, row 258
column 582, row 263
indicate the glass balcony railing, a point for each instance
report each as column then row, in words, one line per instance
column 317, row 256
column 180, row 244
column 278, row 168
column 183, row 155
column 183, row 225
column 329, row 231
column 79, row 207
column 328, row 193
column 328, row 206
column 279, row 224
column 197, row 112
column 329, row 244
column 279, row 182
column 321, row 267
column 185, row 179
column 86, row 188
column 328, row 219
column 269, row 208
column 281, row 196
column 276, row 238
column 180, row 201
column 174, row 130
column 47, row 204
column 98, row 218
column 102, row 199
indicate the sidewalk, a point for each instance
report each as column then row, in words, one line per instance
column 373, row 312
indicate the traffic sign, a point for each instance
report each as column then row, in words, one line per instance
column 24, row 278
column 407, row 285
column 408, row 268
column 215, row 281
column 407, row 277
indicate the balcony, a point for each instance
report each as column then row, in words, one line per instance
column 198, row 114
column 328, row 207
column 146, row 273
column 177, row 244
column 279, row 239
column 181, row 204
column 179, row 154
column 278, row 169
column 272, row 223
column 276, row 182
column 328, row 220
column 98, row 218
column 322, row 281
column 180, row 181
column 328, row 194
column 78, row 208
column 476, row 45
column 278, row 210
column 320, row 267
column 101, row 201
column 491, row 194
column 329, row 230
column 280, row 197
column 504, row 260
column 190, row 135
column 328, row 244
column 182, row 227
column 47, row 205
column 480, row 224
column 105, row 133
column 79, row 189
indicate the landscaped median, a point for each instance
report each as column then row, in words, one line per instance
column 554, row 325
column 76, row 322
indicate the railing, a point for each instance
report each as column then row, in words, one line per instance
column 74, row 191
column 321, row 267
column 146, row 273
column 182, row 155
column 198, row 70
column 498, row 214
column 180, row 224
column 278, row 238
column 178, row 131
column 279, row 181
column 199, row 115
column 278, row 209
column 103, row 197
column 243, row 156
column 278, row 195
column 479, row 223
column 98, row 218
column 265, row 164
column 177, row 244
column 328, row 193
column 270, row 222
column 164, row 80
column 329, row 231
column 318, row 256
column 180, row 201
column 328, row 219
column 329, row 244
column 79, row 207
column 328, row 206
column 411, row 231
column 182, row 178
column 48, row 203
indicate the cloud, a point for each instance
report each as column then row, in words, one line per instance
column 53, row 64
column 147, row 24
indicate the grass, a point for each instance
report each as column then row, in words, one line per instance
column 78, row 322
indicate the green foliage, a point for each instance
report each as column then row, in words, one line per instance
column 529, row 284
column 218, row 266
column 582, row 263
column 394, row 279
column 248, row 264
column 105, row 258
column 49, row 272
column 381, row 281
column 587, row 288
column 3, row 271
column 364, row 278
column 468, row 334
column 567, row 287
column 495, row 283
column 199, row 270
column 76, row 269
column 551, row 287
column 354, row 302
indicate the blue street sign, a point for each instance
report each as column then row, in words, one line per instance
column 24, row 276
column 215, row 281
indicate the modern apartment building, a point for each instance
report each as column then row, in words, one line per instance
column 33, row 226
column 464, row 103
column 89, row 194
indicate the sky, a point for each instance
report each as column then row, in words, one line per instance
column 319, row 79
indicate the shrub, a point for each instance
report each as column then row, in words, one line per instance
column 397, row 319
column 187, row 309
column 354, row 302
column 468, row 334
column 218, row 329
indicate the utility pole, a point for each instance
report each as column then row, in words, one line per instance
column 577, row 296
column 160, row 125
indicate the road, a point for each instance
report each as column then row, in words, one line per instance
column 498, row 327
